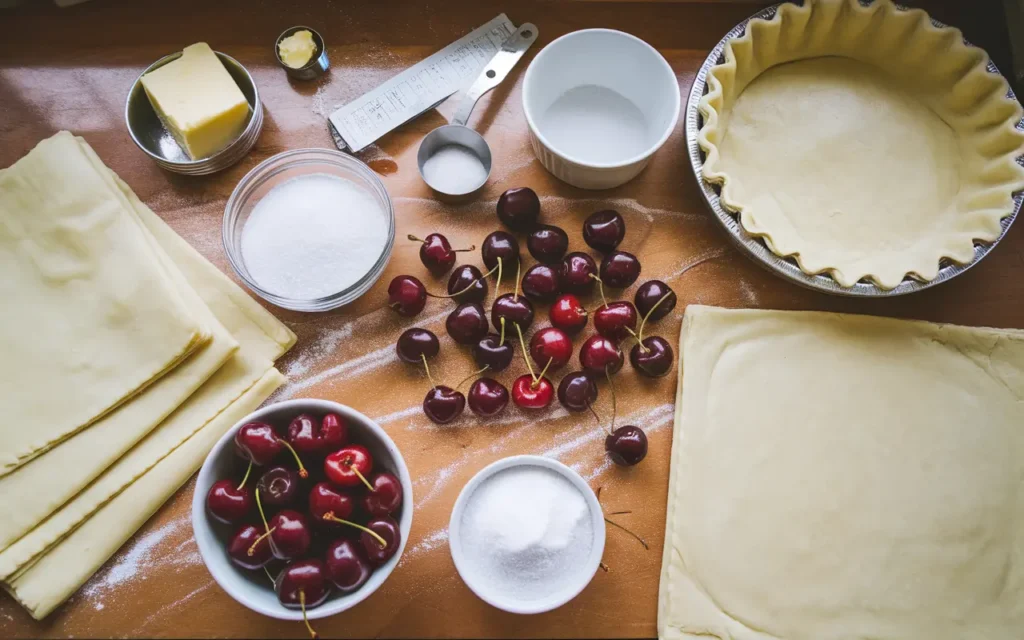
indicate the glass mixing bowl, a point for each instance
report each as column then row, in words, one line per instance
column 281, row 168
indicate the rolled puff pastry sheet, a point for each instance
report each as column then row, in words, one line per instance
column 261, row 339
column 844, row 477
column 89, row 317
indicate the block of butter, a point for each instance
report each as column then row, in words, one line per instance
column 198, row 101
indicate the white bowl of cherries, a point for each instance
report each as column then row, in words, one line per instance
column 302, row 509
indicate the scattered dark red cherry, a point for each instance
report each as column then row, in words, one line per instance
column 551, row 343
column 548, row 244
column 493, row 352
column 654, row 299
column 443, row 404
column 519, row 208
column 515, row 309
column 615, row 320
column 406, row 295
column 568, row 314
column 290, row 535
column 467, row 324
column 487, row 397
column 316, row 437
column 626, row 446
column 349, row 466
column 415, row 344
column 278, row 486
column 249, row 548
column 604, row 230
column 303, row 585
column 599, row 354
column 467, row 284
column 541, row 283
column 575, row 273
column 530, row 393
column 386, row 528
column 229, row 501
column 436, row 253
column 577, row 391
column 260, row 443
column 347, row 566
column 619, row 269
column 500, row 244
column 652, row 357
column 325, row 499
column 386, row 496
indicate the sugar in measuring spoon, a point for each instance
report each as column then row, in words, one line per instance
column 457, row 148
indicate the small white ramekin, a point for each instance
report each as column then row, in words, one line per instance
column 605, row 58
column 462, row 564
column 251, row 588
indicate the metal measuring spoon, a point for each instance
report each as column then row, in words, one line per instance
column 457, row 134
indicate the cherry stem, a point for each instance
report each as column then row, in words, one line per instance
column 541, row 376
column 640, row 334
column 600, row 287
column 471, row 247
column 497, row 285
column 330, row 517
column 302, row 603
column 596, row 417
column 269, row 577
column 302, row 470
column 426, row 367
column 519, row 270
column 415, row 239
column 641, row 540
column 471, row 376
column 246, row 476
column 526, row 354
column 360, row 476
column 252, row 550
column 259, row 507
column 604, row 567
column 611, row 384
column 501, row 339
column 620, row 513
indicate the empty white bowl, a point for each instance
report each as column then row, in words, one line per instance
column 599, row 103
column 251, row 588
column 485, row 590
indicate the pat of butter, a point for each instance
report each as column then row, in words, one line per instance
column 297, row 49
column 198, row 101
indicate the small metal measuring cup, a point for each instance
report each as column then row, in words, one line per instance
column 457, row 133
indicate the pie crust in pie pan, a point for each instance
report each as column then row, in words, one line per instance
column 861, row 140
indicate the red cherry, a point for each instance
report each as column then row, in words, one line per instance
column 278, row 486
column 303, row 585
column 436, row 253
column 487, row 397
column 529, row 394
column 577, row 273
column 290, row 536
column 385, row 529
column 324, row 499
column 250, row 537
column 652, row 357
column 386, row 496
column 258, row 442
column 568, row 314
column 519, row 208
column 626, row 446
column 347, row 565
column 228, row 501
column 407, row 295
column 443, row 404
column 551, row 344
column 615, row 320
column 599, row 354
column 309, row 435
column 349, row 466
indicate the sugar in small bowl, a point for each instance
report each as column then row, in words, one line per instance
column 310, row 229
column 527, row 534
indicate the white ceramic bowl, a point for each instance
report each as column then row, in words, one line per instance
column 481, row 588
column 577, row 96
column 251, row 588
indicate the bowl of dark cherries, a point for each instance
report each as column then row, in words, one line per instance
column 302, row 509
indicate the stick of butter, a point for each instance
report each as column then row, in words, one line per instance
column 198, row 101
column 297, row 49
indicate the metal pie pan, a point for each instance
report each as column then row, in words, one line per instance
column 755, row 247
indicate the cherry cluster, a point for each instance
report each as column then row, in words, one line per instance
column 310, row 532
column 558, row 278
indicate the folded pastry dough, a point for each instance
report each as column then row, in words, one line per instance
column 838, row 476
column 89, row 316
column 261, row 339
column 862, row 140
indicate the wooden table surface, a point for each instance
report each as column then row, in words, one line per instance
column 71, row 69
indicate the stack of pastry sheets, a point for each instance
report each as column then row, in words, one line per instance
column 838, row 476
column 127, row 355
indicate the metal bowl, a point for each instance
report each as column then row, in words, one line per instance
column 787, row 268
column 150, row 134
